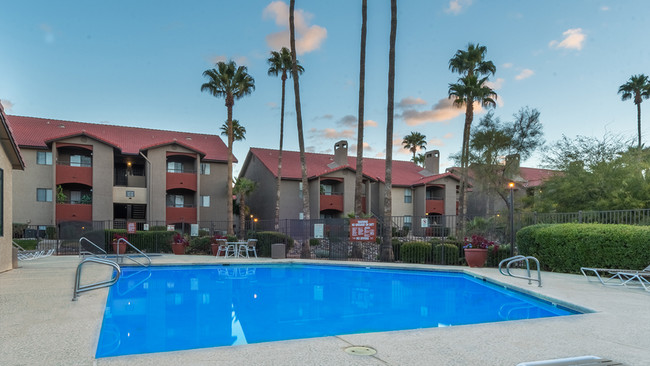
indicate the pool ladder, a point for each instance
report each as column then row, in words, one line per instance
column 517, row 259
column 79, row 288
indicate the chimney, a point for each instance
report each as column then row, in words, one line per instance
column 432, row 161
column 512, row 166
column 341, row 152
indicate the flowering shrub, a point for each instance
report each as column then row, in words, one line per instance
column 179, row 239
column 479, row 242
column 117, row 237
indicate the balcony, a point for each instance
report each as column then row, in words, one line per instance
column 436, row 206
column 181, row 214
column 332, row 201
column 181, row 180
column 74, row 174
column 74, row 212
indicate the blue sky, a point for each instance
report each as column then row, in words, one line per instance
column 140, row 63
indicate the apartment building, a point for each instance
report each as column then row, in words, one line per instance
column 97, row 172
column 416, row 191
column 10, row 160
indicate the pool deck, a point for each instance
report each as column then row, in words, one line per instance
column 40, row 325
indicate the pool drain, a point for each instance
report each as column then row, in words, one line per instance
column 360, row 351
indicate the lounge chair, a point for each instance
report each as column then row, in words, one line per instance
column 620, row 277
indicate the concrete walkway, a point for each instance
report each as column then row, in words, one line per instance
column 40, row 325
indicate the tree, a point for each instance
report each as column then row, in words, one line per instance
column 306, row 250
column 358, row 185
column 279, row 64
column 470, row 64
column 230, row 82
column 607, row 174
column 467, row 91
column 638, row 87
column 418, row 159
column 239, row 131
column 243, row 188
column 413, row 142
column 386, row 250
column 492, row 140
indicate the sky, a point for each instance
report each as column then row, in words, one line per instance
column 140, row 63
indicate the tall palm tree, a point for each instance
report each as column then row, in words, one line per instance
column 418, row 160
column 238, row 131
column 279, row 64
column 358, row 186
column 306, row 250
column 465, row 92
column 243, row 188
column 386, row 251
column 414, row 141
column 469, row 63
column 230, row 82
column 638, row 87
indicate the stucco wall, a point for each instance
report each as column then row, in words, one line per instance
column 5, row 238
column 214, row 185
column 25, row 184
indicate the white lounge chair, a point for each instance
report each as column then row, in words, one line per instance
column 250, row 247
column 619, row 277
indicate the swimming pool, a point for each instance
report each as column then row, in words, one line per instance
column 171, row 308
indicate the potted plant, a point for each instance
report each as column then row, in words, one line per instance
column 218, row 240
column 179, row 243
column 119, row 245
column 476, row 250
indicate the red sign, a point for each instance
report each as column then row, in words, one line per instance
column 130, row 227
column 363, row 229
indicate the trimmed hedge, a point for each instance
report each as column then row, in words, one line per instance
column 446, row 254
column 416, row 252
column 567, row 247
column 146, row 241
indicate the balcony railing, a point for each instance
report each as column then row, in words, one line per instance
column 83, row 164
column 332, row 201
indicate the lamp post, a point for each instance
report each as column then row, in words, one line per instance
column 511, row 185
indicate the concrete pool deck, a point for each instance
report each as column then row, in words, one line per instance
column 40, row 325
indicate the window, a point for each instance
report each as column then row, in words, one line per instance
column 43, row 195
column 174, row 167
column 300, row 191
column 408, row 195
column 205, row 201
column 301, row 216
column 130, row 194
column 80, row 160
column 408, row 221
column 75, row 197
column 175, row 200
column 205, row 169
column 44, row 157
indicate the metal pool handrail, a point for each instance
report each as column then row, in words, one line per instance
column 521, row 258
column 119, row 256
column 83, row 252
column 79, row 288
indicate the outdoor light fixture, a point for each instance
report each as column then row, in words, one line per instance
column 511, row 185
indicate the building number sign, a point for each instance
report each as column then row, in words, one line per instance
column 363, row 229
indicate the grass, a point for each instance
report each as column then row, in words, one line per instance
column 27, row 244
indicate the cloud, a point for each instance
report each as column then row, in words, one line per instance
column 507, row 65
column 380, row 154
column 347, row 121
column 524, row 74
column 573, row 40
column 331, row 133
column 239, row 60
column 457, row 6
column 435, row 142
column 48, row 33
column 448, row 136
column 444, row 110
column 308, row 37
column 7, row 105
column 325, row 116
column 272, row 105
column 410, row 101
column 216, row 59
column 353, row 148
column 496, row 84
column 604, row 8
column 370, row 123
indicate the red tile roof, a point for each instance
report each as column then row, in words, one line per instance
column 8, row 138
column 405, row 173
column 38, row 132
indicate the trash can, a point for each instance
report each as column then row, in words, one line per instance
column 278, row 251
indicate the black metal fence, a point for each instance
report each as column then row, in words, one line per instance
column 427, row 239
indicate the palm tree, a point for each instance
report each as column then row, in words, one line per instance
column 469, row 63
column 638, row 87
column 419, row 160
column 279, row 64
column 386, row 251
column 466, row 92
column 243, row 188
column 231, row 82
column 414, row 141
column 358, row 186
column 238, row 133
column 306, row 250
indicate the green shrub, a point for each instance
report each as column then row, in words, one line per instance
column 416, row 252
column 446, row 254
column 27, row 244
column 496, row 256
column 145, row 241
column 200, row 245
column 313, row 242
column 266, row 238
column 567, row 247
column 396, row 249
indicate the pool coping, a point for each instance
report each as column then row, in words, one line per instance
column 40, row 325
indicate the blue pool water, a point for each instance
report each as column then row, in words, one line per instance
column 185, row 307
